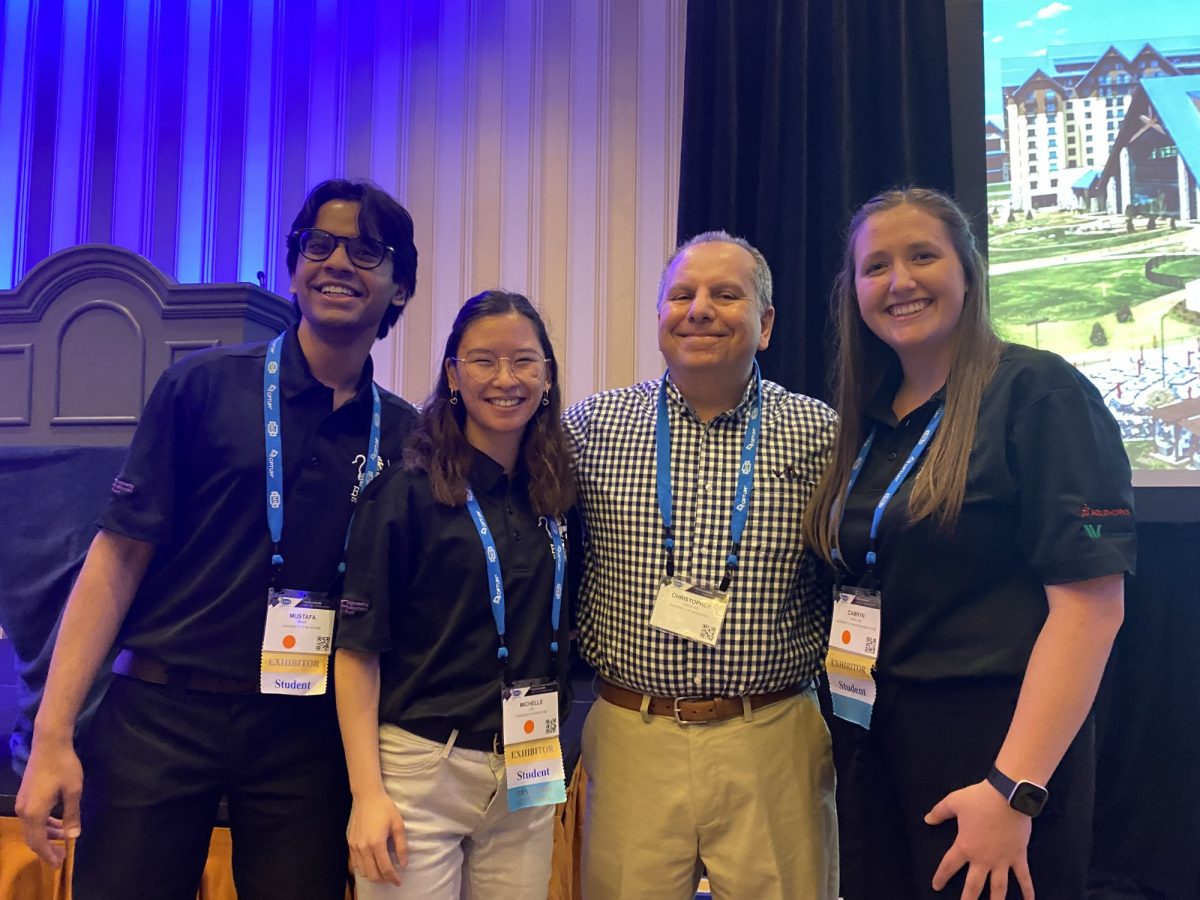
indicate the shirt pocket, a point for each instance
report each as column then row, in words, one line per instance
column 773, row 529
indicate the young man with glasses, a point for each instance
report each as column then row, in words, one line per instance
column 215, row 572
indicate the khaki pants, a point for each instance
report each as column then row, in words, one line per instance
column 748, row 798
column 462, row 840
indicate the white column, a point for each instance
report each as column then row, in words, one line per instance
column 1126, row 193
column 1185, row 193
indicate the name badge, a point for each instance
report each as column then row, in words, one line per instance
column 529, row 710
column 692, row 611
column 853, row 649
column 533, row 760
column 297, row 640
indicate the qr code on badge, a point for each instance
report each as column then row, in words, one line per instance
column 323, row 644
column 707, row 633
column 870, row 645
column 552, row 725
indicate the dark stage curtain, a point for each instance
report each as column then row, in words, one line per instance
column 795, row 112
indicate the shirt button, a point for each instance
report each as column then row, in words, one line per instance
column 892, row 455
column 314, row 462
column 697, row 680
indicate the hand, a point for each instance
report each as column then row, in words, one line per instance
column 54, row 773
column 992, row 838
column 374, row 824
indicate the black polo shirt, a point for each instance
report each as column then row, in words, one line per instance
column 417, row 593
column 194, row 484
column 1048, row 501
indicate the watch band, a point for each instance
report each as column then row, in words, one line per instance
column 1002, row 783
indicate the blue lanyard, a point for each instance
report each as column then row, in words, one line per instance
column 496, row 581
column 745, row 480
column 273, row 429
column 840, row 511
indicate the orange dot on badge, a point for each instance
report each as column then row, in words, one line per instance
column 846, row 637
column 529, row 726
column 289, row 641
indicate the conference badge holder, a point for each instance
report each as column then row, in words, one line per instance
column 692, row 611
column 853, row 650
column 533, row 759
column 297, row 640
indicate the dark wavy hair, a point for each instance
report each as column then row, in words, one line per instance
column 380, row 217
column 438, row 444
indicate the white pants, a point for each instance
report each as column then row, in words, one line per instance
column 462, row 840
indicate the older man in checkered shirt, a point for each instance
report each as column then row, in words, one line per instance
column 698, row 610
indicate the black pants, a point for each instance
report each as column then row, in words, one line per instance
column 926, row 741
column 156, row 764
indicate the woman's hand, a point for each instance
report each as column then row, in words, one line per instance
column 375, row 828
column 992, row 838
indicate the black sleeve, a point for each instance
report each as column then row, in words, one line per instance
column 142, row 505
column 1076, row 499
column 378, row 540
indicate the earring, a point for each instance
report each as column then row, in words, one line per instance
column 453, row 397
column 546, row 399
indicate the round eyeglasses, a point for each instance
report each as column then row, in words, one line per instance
column 363, row 251
column 482, row 366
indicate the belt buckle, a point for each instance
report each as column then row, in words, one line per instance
column 675, row 710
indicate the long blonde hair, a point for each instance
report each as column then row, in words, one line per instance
column 863, row 363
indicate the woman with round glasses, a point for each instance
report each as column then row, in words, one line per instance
column 454, row 603
column 977, row 518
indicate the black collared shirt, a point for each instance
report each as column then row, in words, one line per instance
column 417, row 593
column 1048, row 501
column 194, row 484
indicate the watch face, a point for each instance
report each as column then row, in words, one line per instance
column 1028, row 798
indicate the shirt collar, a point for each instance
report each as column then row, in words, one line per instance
column 879, row 408
column 738, row 413
column 297, row 378
column 485, row 472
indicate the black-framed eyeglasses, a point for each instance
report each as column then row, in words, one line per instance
column 482, row 366
column 363, row 251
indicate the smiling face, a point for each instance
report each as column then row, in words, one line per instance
column 709, row 318
column 910, row 284
column 498, row 408
column 335, row 297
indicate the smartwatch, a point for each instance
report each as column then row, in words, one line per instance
column 1023, row 796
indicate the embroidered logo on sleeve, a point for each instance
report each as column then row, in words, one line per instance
column 352, row 606
column 1094, row 529
column 121, row 487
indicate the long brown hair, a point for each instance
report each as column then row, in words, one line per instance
column 438, row 445
column 863, row 363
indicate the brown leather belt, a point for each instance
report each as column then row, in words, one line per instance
column 691, row 710
column 147, row 668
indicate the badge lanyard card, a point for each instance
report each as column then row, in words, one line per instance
column 854, row 632
column 692, row 610
column 298, row 636
column 533, row 762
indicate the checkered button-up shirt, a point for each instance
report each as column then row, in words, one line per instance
column 776, row 624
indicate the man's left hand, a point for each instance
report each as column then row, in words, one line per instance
column 992, row 839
